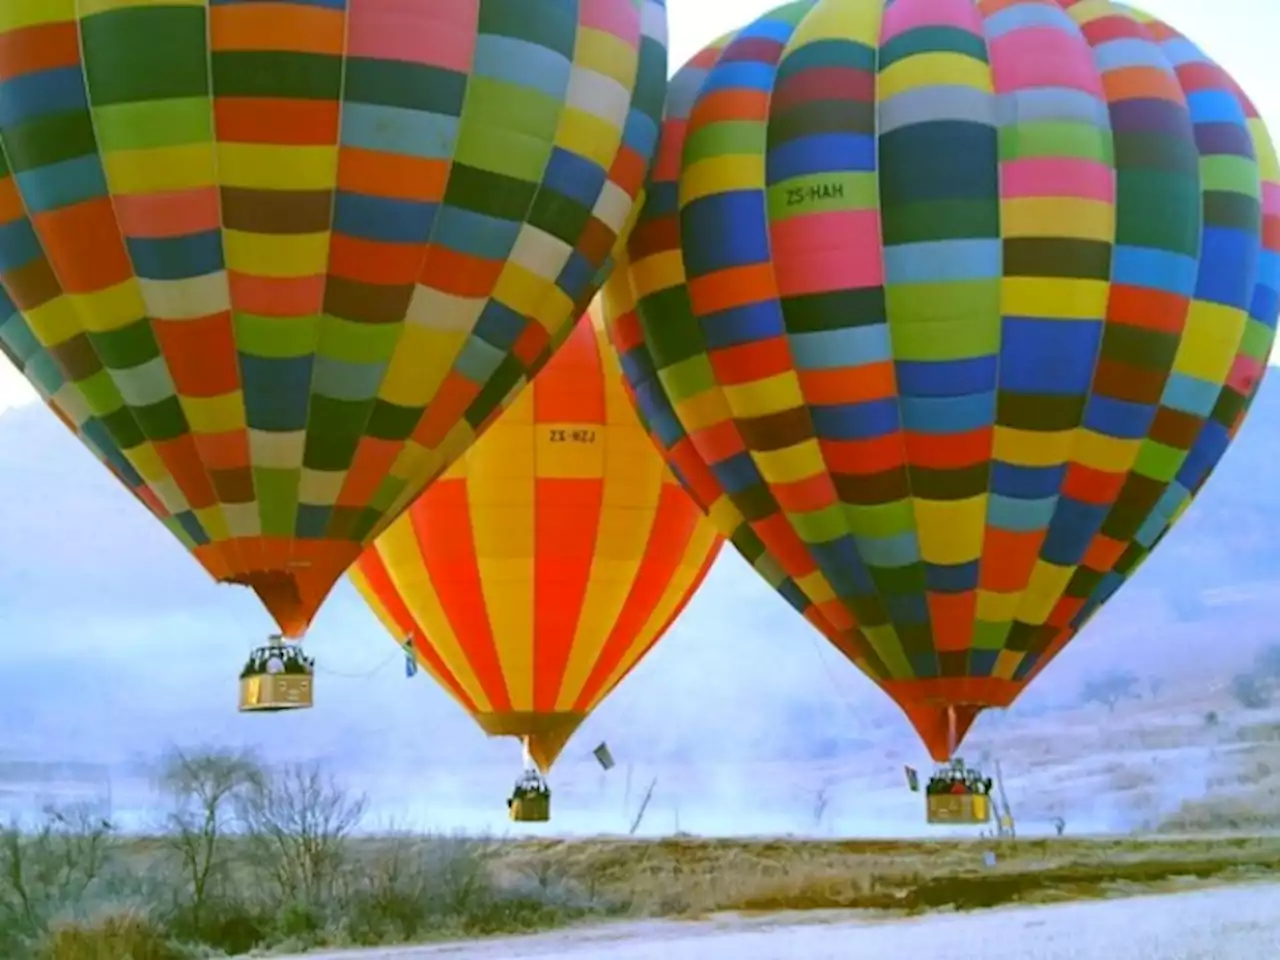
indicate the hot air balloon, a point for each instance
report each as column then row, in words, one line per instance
column 279, row 263
column 948, row 308
column 536, row 573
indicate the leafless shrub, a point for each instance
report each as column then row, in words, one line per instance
column 297, row 821
column 48, row 872
column 203, row 789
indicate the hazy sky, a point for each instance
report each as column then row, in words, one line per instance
column 1239, row 34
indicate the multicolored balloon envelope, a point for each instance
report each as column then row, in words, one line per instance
column 277, row 263
column 945, row 310
column 549, row 560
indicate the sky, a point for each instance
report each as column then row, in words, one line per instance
column 155, row 660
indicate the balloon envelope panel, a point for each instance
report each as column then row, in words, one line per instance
column 279, row 262
column 959, row 303
column 537, row 572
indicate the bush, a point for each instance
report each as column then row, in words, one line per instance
column 115, row 936
column 1267, row 664
column 252, row 859
column 1250, row 692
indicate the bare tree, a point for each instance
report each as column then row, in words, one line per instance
column 297, row 822
column 1109, row 689
column 821, row 800
column 204, row 788
column 45, row 871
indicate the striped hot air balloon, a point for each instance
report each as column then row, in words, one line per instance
column 945, row 310
column 549, row 560
column 277, row 263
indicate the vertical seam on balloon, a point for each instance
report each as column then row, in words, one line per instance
column 746, row 527
column 414, row 481
column 1241, row 100
column 328, row 277
column 66, row 379
column 407, row 493
column 316, row 338
column 1207, row 419
column 805, row 408
column 379, row 525
column 605, row 429
column 487, row 698
column 246, row 565
column 530, row 383
column 532, row 612
column 639, row 6
column 1261, row 146
column 1070, row 459
column 612, row 383
column 49, row 399
column 697, row 319
column 694, row 319
column 897, row 395
column 984, row 35
column 1040, row 650
column 610, row 681
column 146, row 318
column 600, row 348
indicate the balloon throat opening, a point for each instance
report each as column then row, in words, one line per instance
column 942, row 727
column 281, row 594
column 542, row 736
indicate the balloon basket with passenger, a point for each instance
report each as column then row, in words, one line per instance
column 277, row 676
column 530, row 800
column 957, row 794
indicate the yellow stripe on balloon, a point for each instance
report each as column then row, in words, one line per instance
column 398, row 548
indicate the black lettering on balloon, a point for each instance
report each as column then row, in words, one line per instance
column 799, row 196
column 573, row 436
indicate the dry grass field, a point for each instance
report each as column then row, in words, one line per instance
column 694, row 877
column 416, row 889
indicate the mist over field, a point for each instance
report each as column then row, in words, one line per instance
column 114, row 646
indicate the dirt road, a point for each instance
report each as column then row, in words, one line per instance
column 1225, row 923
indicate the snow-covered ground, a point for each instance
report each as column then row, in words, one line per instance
column 1226, row 923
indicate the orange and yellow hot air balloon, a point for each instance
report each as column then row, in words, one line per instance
column 536, row 573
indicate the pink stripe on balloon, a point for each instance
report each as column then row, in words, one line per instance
column 1271, row 198
column 1245, row 374
column 904, row 15
column 1043, row 57
column 433, row 34
column 1057, row 177
column 612, row 16
column 178, row 213
column 828, row 251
